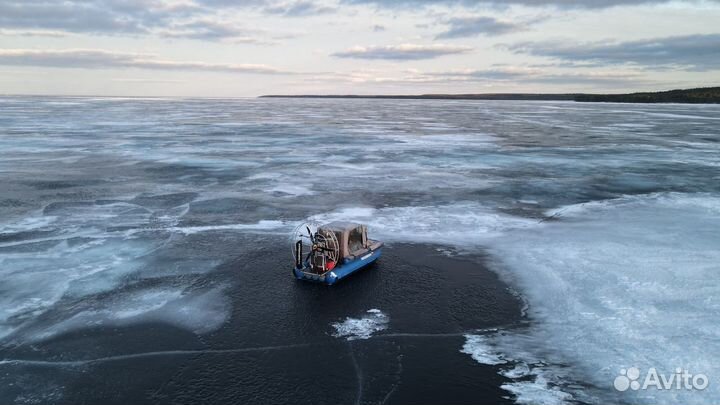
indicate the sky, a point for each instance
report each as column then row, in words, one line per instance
column 245, row 48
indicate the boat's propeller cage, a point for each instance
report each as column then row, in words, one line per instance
column 314, row 247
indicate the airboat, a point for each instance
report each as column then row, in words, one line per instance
column 328, row 253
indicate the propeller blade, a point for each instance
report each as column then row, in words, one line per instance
column 310, row 234
column 308, row 256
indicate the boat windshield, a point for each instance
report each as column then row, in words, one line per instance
column 356, row 239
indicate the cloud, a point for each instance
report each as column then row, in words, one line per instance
column 691, row 52
column 32, row 33
column 91, row 16
column 481, row 25
column 102, row 59
column 162, row 17
column 146, row 80
column 402, row 52
column 211, row 30
column 495, row 75
column 299, row 8
column 498, row 73
column 523, row 74
column 567, row 4
column 285, row 8
column 535, row 75
column 199, row 19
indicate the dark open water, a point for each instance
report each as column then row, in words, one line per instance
column 534, row 250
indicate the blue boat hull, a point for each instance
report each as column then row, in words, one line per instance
column 339, row 272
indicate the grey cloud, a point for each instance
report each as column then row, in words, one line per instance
column 32, row 33
column 209, row 30
column 481, row 25
column 91, row 16
column 141, row 17
column 507, row 74
column 286, row 8
column 402, row 52
column 692, row 52
column 146, row 80
column 487, row 74
column 300, row 8
column 531, row 3
column 539, row 76
column 101, row 59
column 565, row 79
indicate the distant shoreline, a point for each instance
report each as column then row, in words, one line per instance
column 703, row 95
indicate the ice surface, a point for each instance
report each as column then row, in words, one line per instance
column 520, row 370
column 533, row 381
column 197, row 311
column 537, row 392
column 478, row 347
column 624, row 282
column 261, row 225
column 610, row 284
column 603, row 216
column 464, row 224
column 621, row 283
column 363, row 327
column 70, row 253
column 291, row 189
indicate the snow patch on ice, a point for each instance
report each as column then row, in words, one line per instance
column 199, row 312
column 363, row 327
column 462, row 225
column 619, row 283
column 28, row 224
column 259, row 226
column 537, row 392
column 73, row 252
column 532, row 381
column 520, row 370
column 293, row 190
column 478, row 347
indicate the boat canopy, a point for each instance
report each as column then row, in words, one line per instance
column 352, row 237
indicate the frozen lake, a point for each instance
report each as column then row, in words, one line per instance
column 562, row 243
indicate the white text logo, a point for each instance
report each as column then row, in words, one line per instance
column 681, row 379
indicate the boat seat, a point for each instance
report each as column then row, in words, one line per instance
column 359, row 252
column 374, row 245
